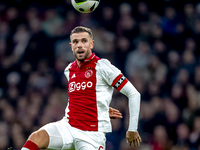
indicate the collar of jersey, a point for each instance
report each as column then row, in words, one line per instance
column 88, row 59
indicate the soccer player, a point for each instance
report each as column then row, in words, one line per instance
column 91, row 82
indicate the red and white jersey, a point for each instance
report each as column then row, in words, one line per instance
column 90, row 92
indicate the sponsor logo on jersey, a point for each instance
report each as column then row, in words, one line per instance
column 88, row 73
column 74, row 75
column 79, row 86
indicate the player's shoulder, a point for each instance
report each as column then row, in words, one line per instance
column 104, row 61
column 105, row 65
column 69, row 66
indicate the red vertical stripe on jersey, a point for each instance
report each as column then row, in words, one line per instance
column 82, row 96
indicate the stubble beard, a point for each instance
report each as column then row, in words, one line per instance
column 86, row 55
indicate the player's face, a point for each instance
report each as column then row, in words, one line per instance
column 82, row 45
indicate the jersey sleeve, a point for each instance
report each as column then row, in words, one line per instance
column 111, row 75
column 66, row 72
column 134, row 105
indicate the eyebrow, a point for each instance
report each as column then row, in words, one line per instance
column 74, row 40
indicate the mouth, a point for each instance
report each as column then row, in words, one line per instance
column 80, row 52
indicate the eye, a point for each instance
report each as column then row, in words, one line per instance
column 75, row 41
column 84, row 40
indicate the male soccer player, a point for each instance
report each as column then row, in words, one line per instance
column 91, row 82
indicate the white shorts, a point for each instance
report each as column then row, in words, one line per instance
column 65, row 137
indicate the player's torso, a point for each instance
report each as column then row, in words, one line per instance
column 87, row 102
column 82, row 81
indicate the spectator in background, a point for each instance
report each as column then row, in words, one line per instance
column 53, row 23
column 183, row 133
column 196, row 78
column 4, row 136
column 194, row 136
column 116, row 136
column 108, row 20
column 189, row 15
column 159, row 48
column 169, row 20
column 126, row 24
column 70, row 20
column 105, row 43
column 178, row 96
column 173, row 63
column 157, row 71
column 161, row 139
column 188, row 61
column 142, row 12
column 134, row 65
column 143, row 32
column 173, row 118
column 17, row 135
column 123, row 47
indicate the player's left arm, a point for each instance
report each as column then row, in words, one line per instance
column 113, row 76
column 125, row 87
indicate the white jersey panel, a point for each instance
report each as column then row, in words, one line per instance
column 105, row 75
column 66, row 72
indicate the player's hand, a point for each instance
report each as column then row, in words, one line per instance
column 133, row 137
column 114, row 113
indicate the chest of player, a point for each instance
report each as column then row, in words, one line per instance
column 82, row 79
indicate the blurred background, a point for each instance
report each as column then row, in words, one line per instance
column 155, row 44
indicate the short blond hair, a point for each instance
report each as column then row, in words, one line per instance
column 79, row 29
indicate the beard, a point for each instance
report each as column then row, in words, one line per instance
column 82, row 56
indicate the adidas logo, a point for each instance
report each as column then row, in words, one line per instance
column 73, row 76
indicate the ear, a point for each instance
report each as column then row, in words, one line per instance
column 70, row 44
column 92, row 44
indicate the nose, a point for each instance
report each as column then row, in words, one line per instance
column 79, row 44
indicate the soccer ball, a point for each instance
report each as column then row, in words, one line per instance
column 85, row 6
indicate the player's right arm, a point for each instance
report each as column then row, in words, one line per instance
column 114, row 113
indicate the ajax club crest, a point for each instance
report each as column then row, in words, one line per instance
column 88, row 73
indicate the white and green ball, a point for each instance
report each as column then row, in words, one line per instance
column 85, row 6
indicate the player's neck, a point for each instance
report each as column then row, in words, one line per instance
column 79, row 63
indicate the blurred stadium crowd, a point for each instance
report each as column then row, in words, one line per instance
column 155, row 44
